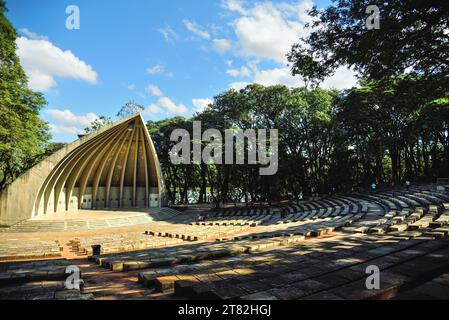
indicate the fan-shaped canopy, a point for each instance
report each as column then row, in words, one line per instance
column 117, row 168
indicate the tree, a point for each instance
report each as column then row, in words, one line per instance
column 305, row 122
column 23, row 135
column 394, row 125
column 129, row 109
column 98, row 123
column 412, row 39
column 382, row 131
column 178, row 179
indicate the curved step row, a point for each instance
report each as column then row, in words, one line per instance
column 275, row 274
column 29, row 249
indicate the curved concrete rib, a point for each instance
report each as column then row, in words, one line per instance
column 112, row 168
column 71, row 158
column 79, row 160
column 85, row 175
column 84, row 178
column 136, row 154
column 125, row 162
column 146, row 169
column 99, row 172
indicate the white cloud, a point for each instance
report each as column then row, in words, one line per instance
column 67, row 123
column 156, row 69
column 222, row 45
column 153, row 109
column 32, row 35
column 58, row 129
column 131, row 86
column 276, row 76
column 238, row 85
column 266, row 77
column 234, row 5
column 343, row 78
column 67, row 117
column 195, row 28
column 228, row 63
column 299, row 10
column 167, row 106
column 268, row 30
column 140, row 94
column 171, row 107
column 154, row 90
column 42, row 62
column 201, row 104
column 169, row 34
column 243, row 72
column 39, row 81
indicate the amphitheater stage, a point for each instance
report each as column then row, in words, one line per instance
column 94, row 215
column 88, row 220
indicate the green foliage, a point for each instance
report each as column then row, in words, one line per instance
column 304, row 120
column 389, row 118
column 23, row 135
column 98, row 123
column 178, row 179
column 412, row 39
column 395, row 125
column 129, row 109
column 327, row 139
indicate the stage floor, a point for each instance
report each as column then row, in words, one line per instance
column 93, row 220
column 95, row 215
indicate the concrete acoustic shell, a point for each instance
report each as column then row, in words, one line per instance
column 114, row 167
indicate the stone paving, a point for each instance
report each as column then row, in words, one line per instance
column 113, row 243
column 16, row 249
column 435, row 289
column 88, row 221
column 298, row 271
column 316, row 249
column 197, row 232
column 38, row 280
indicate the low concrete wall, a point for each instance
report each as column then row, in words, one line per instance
column 17, row 200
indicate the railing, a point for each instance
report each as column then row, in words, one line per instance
column 443, row 181
column 442, row 184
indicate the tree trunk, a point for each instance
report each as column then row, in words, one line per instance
column 394, row 156
column 203, row 189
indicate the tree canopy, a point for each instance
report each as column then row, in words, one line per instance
column 23, row 135
column 392, row 127
column 412, row 38
column 98, row 123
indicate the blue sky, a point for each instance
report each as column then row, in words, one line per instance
column 170, row 56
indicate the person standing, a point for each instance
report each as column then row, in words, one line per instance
column 373, row 187
column 407, row 185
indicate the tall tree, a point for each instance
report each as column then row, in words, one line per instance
column 404, row 67
column 98, row 123
column 178, row 179
column 23, row 135
column 412, row 38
